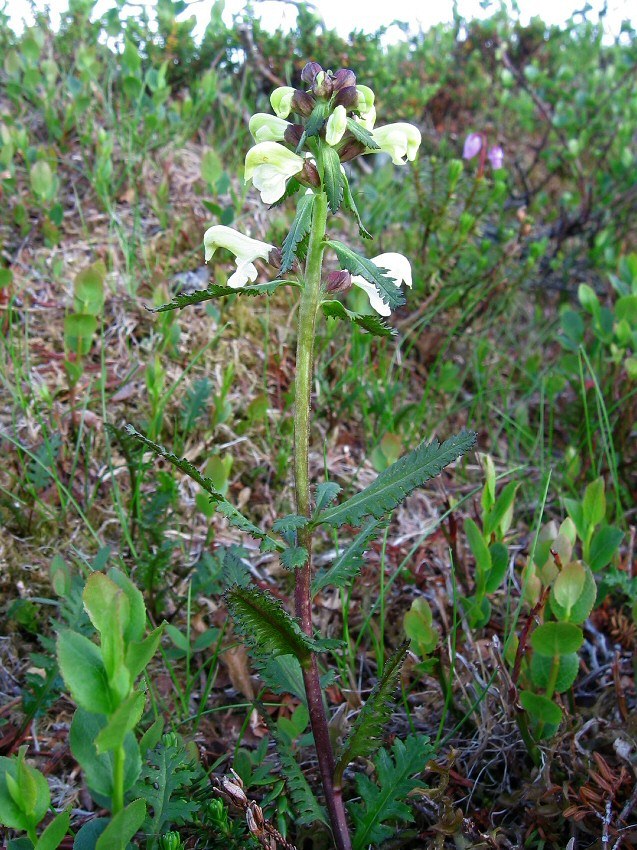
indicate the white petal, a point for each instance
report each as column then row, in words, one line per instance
column 270, row 182
column 245, row 272
column 370, row 290
column 242, row 246
column 398, row 267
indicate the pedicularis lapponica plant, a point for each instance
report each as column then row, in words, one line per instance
column 299, row 152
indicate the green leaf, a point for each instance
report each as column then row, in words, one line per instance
column 288, row 525
column 217, row 291
column 395, row 483
column 542, row 668
column 300, row 227
column 498, row 519
column 88, row 289
column 151, row 736
column 139, row 653
column 480, row 553
column 315, row 123
column 419, row 628
column 135, row 625
column 266, row 626
column 42, row 180
column 325, row 494
column 24, row 793
column 368, row 322
column 125, row 717
column 305, row 803
column 541, row 708
column 499, row 555
column 211, row 167
column 122, row 827
column 83, row 671
column 222, row 505
column 389, row 293
column 329, row 166
column 365, row 734
column 383, row 804
column 349, row 561
column 87, row 837
column 569, row 584
column 350, row 204
column 362, row 134
column 294, row 557
column 583, row 605
column 604, row 544
column 553, row 639
column 79, row 329
column 52, row 836
column 594, row 504
column 98, row 769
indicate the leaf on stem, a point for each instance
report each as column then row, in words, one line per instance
column 367, row 322
column 362, row 134
column 396, row 482
column 329, row 166
column 350, row 204
column 215, row 290
column 300, row 227
column 349, row 562
column 389, row 293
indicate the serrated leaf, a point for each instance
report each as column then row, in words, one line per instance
column 553, row 639
column 300, row 227
column 365, row 734
column 217, row 291
column 294, row 557
column 221, row 504
column 315, row 123
column 289, row 523
column 326, row 492
column 305, row 803
column 362, row 134
column 395, row 483
column 266, row 626
column 389, row 293
column 349, row 562
column 368, row 322
column 330, row 169
column 350, row 204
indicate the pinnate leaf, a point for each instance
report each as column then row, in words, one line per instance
column 371, row 323
column 300, row 227
column 359, row 265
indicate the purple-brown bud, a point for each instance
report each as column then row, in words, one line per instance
column 351, row 149
column 347, row 97
column 309, row 73
column 303, row 103
column 343, row 79
column 293, row 133
column 323, row 86
column 275, row 258
column 309, row 176
column 340, row 281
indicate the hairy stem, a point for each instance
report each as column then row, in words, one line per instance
column 310, row 303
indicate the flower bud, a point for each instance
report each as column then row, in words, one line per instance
column 170, row 841
column 496, row 156
column 336, row 126
column 344, row 78
column 351, row 149
column 267, row 128
column 275, row 257
column 365, row 100
column 347, row 97
column 323, row 86
column 293, row 134
column 310, row 72
column 472, row 145
column 309, row 176
column 340, row 281
column 281, row 100
column 303, row 103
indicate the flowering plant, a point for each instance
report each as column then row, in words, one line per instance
column 299, row 152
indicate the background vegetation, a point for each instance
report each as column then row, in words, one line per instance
column 120, row 142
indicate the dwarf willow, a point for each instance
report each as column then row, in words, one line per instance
column 299, row 153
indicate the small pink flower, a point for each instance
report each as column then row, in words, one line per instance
column 472, row 145
column 496, row 156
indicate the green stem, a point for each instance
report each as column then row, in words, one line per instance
column 119, row 757
column 310, row 304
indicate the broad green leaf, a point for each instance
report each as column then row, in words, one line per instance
column 139, row 653
column 498, row 519
column 594, row 504
column 542, row 667
column 499, row 555
column 300, row 228
column 371, row 323
column 98, row 768
column 52, row 836
column 394, row 484
column 42, row 179
column 22, row 807
column 364, row 737
column 87, row 837
column 151, row 736
column 122, row 827
column 604, row 544
column 222, row 505
column 217, row 291
column 88, row 289
column 135, row 624
column 60, row 576
column 329, row 166
column 125, row 717
column 79, row 329
column 553, row 639
column 389, row 293
column 569, row 584
column 583, row 605
column 419, row 628
column 541, row 709
column 266, row 626
column 84, row 673
column 588, row 299
column 108, row 607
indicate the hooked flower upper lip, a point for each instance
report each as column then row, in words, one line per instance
column 398, row 269
column 267, row 128
column 401, row 141
column 269, row 166
column 245, row 249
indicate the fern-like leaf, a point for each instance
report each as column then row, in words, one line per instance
column 266, row 626
column 364, row 737
column 389, row 293
column 383, row 803
column 326, row 492
column 350, row 204
column 332, row 177
column 300, row 227
column 362, row 134
column 220, row 502
column 372, row 324
column 396, row 482
column 215, row 290
column 306, row 806
column 348, row 564
column 294, row 557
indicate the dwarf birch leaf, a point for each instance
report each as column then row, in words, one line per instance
column 389, row 293
column 396, row 482
column 603, row 546
column 541, row 708
column 372, row 324
column 542, row 667
column 300, row 227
